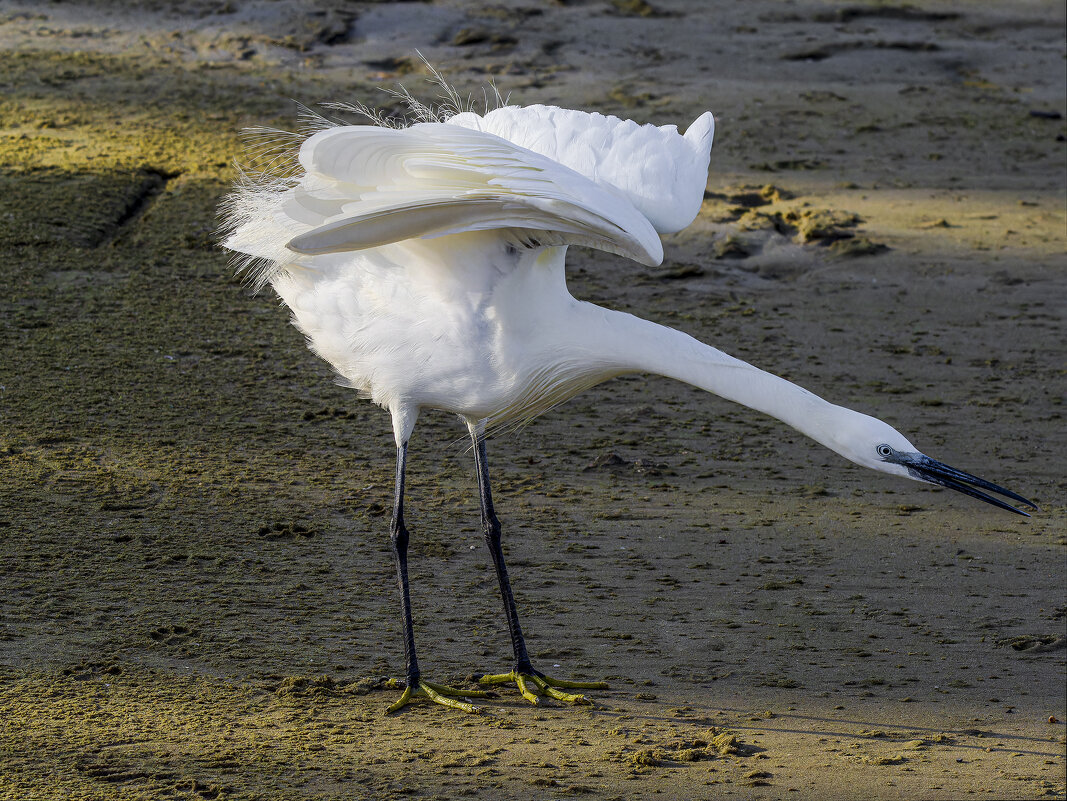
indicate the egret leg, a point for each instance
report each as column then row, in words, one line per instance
column 531, row 682
column 415, row 687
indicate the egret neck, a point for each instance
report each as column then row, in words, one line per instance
column 625, row 343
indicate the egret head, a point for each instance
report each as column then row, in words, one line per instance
column 872, row 443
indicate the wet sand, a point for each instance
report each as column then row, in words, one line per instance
column 198, row 599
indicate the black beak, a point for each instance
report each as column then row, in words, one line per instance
column 924, row 468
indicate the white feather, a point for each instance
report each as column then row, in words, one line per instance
column 662, row 173
column 426, row 264
column 368, row 186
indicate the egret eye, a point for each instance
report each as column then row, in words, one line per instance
column 885, row 451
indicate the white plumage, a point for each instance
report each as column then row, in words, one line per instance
column 661, row 174
column 426, row 264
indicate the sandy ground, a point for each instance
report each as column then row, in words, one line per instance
column 197, row 595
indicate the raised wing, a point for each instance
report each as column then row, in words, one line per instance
column 366, row 186
column 662, row 172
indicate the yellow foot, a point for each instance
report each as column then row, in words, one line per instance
column 439, row 694
column 544, row 686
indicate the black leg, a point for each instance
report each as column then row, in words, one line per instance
column 415, row 687
column 530, row 681
column 398, row 537
column 491, row 528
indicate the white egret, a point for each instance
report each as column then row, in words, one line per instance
column 426, row 264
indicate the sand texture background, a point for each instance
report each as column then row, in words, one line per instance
column 197, row 596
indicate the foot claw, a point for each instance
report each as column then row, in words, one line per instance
column 439, row 694
column 544, row 686
column 527, row 693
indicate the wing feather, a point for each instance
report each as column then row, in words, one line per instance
column 367, row 186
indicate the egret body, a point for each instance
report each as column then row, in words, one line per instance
column 426, row 264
